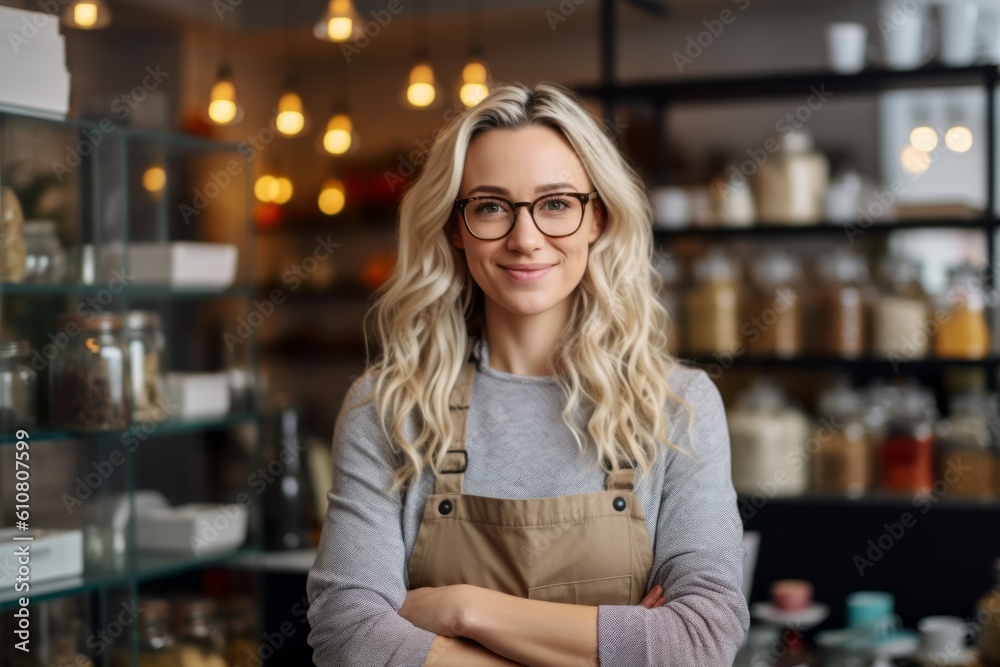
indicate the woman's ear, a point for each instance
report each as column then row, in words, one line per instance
column 600, row 221
column 455, row 232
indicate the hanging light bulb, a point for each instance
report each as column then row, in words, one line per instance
column 86, row 14
column 290, row 120
column 265, row 188
column 337, row 139
column 283, row 190
column 337, row 23
column 421, row 92
column 915, row 161
column 924, row 138
column 474, row 82
column 331, row 197
column 222, row 100
column 958, row 139
column 154, row 179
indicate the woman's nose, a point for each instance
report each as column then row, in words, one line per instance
column 525, row 236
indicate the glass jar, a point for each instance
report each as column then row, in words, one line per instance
column 713, row 306
column 901, row 312
column 907, row 457
column 17, row 386
column 45, row 259
column 843, row 459
column 988, row 618
column 838, row 316
column 666, row 266
column 964, row 334
column 13, row 249
column 89, row 378
column 768, row 439
column 200, row 643
column 791, row 184
column 772, row 315
column 240, row 623
column 732, row 198
column 157, row 647
column 145, row 351
column 967, row 460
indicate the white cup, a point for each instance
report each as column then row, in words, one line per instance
column 904, row 33
column 958, row 19
column 988, row 33
column 671, row 207
column 944, row 638
column 846, row 45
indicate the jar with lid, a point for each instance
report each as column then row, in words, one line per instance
column 18, row 384
column 145, row 350
column 838, row 316
column 157, row 647
column 90, row 378
column 712, row 305
column 12, row 250
column 200, row 642
column 988, row 618
column 967, row 458
column 45, row 259
column 669, row 271
column 768, row 438
column 907, row 457
column 963, row 333
column 239, row 620
column 791, row 184
column 772, row 315
column 901, row 311
column 732, row 199
column 843, row 459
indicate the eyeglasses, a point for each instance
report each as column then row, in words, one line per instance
column 555, row 215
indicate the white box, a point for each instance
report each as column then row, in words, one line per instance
column 53, row 554
column 198, row 528
column 178, row 264
column 198, row 395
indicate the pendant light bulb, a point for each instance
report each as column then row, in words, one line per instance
column 420, row 92
column 474, row 82
column 958, row 138
column 924, row 138
column 337, row 139
column 290, row 120
column 332, row 198
column 222, row 100
column 337, row 23
column 86, row 14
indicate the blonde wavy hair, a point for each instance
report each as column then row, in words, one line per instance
column 612, row 362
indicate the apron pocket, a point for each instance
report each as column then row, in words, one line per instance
column 606, row 590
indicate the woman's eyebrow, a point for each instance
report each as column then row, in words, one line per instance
column 497, row 190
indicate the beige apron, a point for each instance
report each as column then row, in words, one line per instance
column 588, row 548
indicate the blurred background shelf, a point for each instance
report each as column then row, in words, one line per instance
column 168, row 427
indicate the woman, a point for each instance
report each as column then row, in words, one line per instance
column 554, row 489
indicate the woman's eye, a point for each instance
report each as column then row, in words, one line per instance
column 489, row 207
column 555, row 204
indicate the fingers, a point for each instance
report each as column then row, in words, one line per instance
column 654, row 598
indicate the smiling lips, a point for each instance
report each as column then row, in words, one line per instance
column 527, row 273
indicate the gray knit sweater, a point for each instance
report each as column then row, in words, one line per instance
column 519, row 447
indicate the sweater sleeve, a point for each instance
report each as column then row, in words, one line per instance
column 698, row 555
column 357, row 583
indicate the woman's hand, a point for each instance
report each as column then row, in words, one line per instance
column 436, row 609
column 654, row 598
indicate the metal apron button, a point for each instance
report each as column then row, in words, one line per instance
column 618, row 503
column 445, row 507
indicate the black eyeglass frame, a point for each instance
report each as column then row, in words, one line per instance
column 584, row 198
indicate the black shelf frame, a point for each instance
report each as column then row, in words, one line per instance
column 827, row 230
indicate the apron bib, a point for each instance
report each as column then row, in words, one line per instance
column 588, row 548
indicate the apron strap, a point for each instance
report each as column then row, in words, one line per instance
column 452, row 471
column 622, row 479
